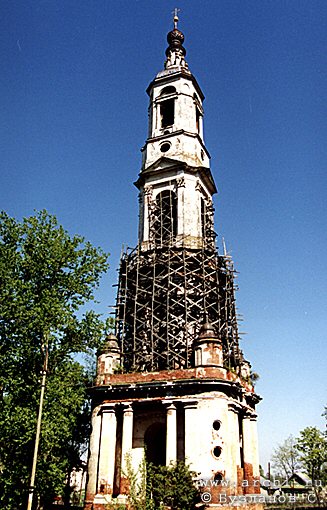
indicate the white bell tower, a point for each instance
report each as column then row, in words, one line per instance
column 175, row 183
column 172, row 383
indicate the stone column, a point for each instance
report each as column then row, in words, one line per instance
column 234, row 453
column 107, row 450
column 147, row 201
column 171, row 434
column 250, row 452
column 247, row 440
column 191, row 433
column 127, row 435
column 255, row 452
column 180, row 191
column 92, row 467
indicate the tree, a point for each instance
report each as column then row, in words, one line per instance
column 312, row 446
column 46, row 276
column 286, row 458
column 172, row 486
column 156, row 487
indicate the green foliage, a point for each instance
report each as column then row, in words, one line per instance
column 46, row 276
column 137, row 498
column 286, row 458
column 312, row 446
column 254, row 377
column 171, row 486
column 155, row 487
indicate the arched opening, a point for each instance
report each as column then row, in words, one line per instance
column 167, row 113
column 165, row 223
column 168, row 90
column 155, row 444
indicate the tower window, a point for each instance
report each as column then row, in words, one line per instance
column 165, row 147
column 216, row 425
column 216, row 452
column 218, row 478
column 167, row 112
column 197, row 119
column 165, row 224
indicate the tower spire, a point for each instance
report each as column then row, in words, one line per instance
column 175, row 52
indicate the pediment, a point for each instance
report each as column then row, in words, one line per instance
column 163, row 163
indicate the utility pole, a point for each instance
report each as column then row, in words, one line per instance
column 45, row 349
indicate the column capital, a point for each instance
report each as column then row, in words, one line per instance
column 107, row 408
column 169, row 404
column 234, row 407
column 127, row 407
column 190, row 404
column 250, row 416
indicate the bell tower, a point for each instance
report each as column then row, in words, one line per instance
column 172, row 383
column 175, row 177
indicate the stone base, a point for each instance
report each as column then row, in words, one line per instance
column 101, row 501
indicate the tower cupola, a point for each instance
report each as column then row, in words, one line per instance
column 208, row 347
column 175, row 52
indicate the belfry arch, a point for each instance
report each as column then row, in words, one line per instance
column 164, row 222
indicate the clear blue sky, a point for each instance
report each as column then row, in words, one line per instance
column 74, row 117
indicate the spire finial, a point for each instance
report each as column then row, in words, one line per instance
column 175, row 52
column 176, row 18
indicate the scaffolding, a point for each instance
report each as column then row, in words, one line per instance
column 167, row 288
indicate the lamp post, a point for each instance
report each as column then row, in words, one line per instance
column 38, row 425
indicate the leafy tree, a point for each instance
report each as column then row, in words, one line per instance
column 312, row 446
column 155, row 487
column 172, row 486
column 286, row 458
column 45, row 277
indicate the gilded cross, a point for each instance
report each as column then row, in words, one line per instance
column 175, row 14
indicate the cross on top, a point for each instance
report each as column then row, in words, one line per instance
column 175, row 14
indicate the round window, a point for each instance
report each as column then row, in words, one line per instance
column 165, row 147
column 218, row 477
column 216, row 452
column 216, row 425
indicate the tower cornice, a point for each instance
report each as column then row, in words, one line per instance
column 170, row 75
column 173, row 166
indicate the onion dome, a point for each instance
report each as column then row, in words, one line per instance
column 207, row 332
column 110, row 345
column 175, row 39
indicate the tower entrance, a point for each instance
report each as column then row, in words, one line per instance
column 155, row 444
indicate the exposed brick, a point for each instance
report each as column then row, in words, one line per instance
column 171, row 375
